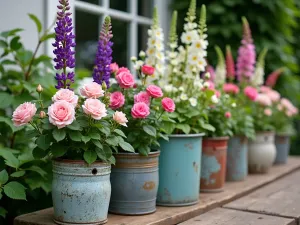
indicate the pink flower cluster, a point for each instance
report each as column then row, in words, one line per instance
column 251, row 93
column 231, row 88
column 288, row 107
column 263, row 99
column 273, row 95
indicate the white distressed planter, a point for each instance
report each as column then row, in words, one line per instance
column 261, row 152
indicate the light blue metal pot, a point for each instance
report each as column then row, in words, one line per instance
column 179, row 170
column 80, row 192
column 237, row 159
column 134, row 181
column 282, row 143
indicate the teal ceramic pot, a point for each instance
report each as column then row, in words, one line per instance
column 282, row 143
column 134, row 181
column 237, row 159
column 179, row 170
column 80, row 192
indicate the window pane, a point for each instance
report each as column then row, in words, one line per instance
column 142, row 37
column 121, row 5
column 145, row 8
column 96, row 2
column 86, row 39
column 120, row 40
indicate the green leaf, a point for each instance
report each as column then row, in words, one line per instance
column 38, row 170
column 94, row 136
column 74, row 126
column 150, row 130
column 47, row 125
column 85, row 139
column 3, row 44
column 38, row 153
column 58, row 150
column 10, row 159
column 75, row 135
column 43, row 142
column 24, row 56
column 168, row 127
column 3, row 177
column 15, row 44
column 6, row 34
column 8, row 62
column 112, row 160
column 36, row 21
column 105, row 130
column 144, row 150
column 184, row 127
column 208, row 127
column 3, row 212
column 105, row 153
column 42, row 58
column 18, row 174
column 112, row 141
column 10, row 124
column 15, row 190
column 165, row 137
column 126, row 146
column 47, row 36
column 5, row 100
column 59, row 134
column 97, row 144
column 90, row 156
column 119, row 132
column 31, row 134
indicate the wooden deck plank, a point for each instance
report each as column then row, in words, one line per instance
column 280, row 198
column 174, row 215
column 221, row 216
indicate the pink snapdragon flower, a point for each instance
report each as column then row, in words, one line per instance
column 251, row 93
column 231, row 88
column 273, row 77
column 23, row 114
column 230, row 70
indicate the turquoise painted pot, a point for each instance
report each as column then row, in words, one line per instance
column 80, row 192
column 179, row 170
column 134, row 181
column 237, row 159
column 282, row 143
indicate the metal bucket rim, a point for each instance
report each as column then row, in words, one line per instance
column 80, row 162
column 224, row 138
column 270, row 133
column 186, row 135
column 134, row 154
column 283, row 135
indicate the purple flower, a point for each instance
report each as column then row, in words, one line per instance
column 103, row 60
column 246, row 55
column 64, row 55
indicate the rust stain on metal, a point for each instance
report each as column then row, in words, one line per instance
column 195, row 166
column 149, row 185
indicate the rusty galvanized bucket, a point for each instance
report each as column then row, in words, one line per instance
column 282, row 143
column 80, row 192
column 179, row 170
column 237, row 158
column 134, row 181
column 213, row 166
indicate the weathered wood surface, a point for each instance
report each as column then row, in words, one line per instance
column 280, row 198
column 174, row 215
column 221, row 216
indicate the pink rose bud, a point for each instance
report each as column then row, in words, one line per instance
column 117, row 100
column 95, row 108
column 114, row 67
column 148, row 70
column 142, row 97
column 23, row 114
column 39, row 88
column 227, row 114
column 120, row 118
column 154, row 91
column 268, row 112
column 61, row 113
column 123, row 69
column 92, row 90
column 42, row 114
column 67, row 95
column 251, row 93
column 104, row 86
column 168, row 104
column 125, row 79
column 231, row 88
column 140, row 110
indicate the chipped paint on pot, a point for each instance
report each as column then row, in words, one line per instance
column 80, row 192
column 134, row 181
column 282, row 143
column 261, row 152
column 213, row 165
column 237, row 159
column 179, row 170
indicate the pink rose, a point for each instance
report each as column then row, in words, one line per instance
column 23, row 114
column 140, row 110
column 168, row 104
column 95, row 108
column 227, row 114
column 263, row 99
column 61, row 113
column 142, row 97
column 268, row 112
column 148, row 70
column 125, row 79
column 120, row 118
column 122, row 69
column 273, row 95
column 250, row 92
column 265, row 89
column 92, row 90
column 114, row 67
column 67, row 95
column 117, row 100
column 154, row 91
column 231, row 88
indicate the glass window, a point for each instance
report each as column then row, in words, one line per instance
column 145, row 8
column 121, row 5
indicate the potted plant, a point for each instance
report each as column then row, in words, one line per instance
column 79, row 133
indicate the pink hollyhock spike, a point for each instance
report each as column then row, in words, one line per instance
column 272, row 78
column 230, row 70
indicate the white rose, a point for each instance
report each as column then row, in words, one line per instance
column 214, row 99
column 193, row 102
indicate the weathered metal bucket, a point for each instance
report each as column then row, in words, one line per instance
column 213, row 166
column 80, row 192
column 282, row 143
column 179, row 170
column 237, row 159
column 261, row 152
column 134, row 181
